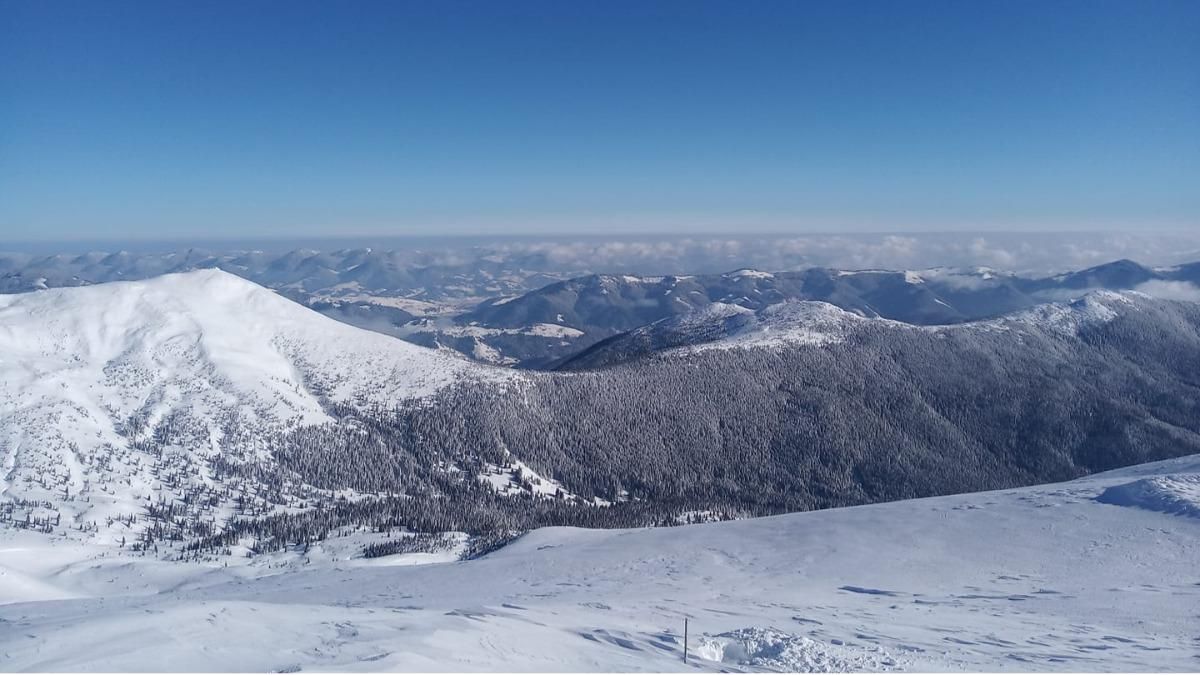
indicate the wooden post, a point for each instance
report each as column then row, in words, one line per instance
column 685, row 638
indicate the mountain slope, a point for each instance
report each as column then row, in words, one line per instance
column 200, row 365
column 1119, row 274
column 809, row 406
column 1047, row 578
column 721, row 326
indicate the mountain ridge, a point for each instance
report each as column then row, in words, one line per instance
column 805, row 322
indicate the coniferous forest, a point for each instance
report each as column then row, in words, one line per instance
column 886, row 413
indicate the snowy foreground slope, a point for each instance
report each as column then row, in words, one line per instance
column 191, row 365
column 1094, row 574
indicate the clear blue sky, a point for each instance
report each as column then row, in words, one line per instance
column 148, row 120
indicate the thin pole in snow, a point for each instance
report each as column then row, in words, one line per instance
column 685, row 639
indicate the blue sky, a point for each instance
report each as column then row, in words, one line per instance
column 161, row 119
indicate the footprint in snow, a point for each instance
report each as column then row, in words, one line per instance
column 868, row 591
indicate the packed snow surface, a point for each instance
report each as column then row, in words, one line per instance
column 1057, row 577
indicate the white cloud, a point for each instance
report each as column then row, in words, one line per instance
column 1171, row 290
column 1030, row 254
column 1023, row 253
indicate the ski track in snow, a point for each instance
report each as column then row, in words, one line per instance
column 1056, row 577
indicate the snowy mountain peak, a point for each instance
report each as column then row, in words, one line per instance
column 725, row 326
column 798, row 323
column 714, row 311
column 204, row 362
column 1096, row 307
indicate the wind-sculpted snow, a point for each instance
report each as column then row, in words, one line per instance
column 109, row 392
column 1172, row 493
column 1043, row 578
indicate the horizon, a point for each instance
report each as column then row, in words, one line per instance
column 369, row 240
column 1041, row 254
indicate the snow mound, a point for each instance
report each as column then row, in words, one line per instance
column 776, row 650
column 16, row 586
column 1175, row 493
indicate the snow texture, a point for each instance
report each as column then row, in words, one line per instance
column 1056, row 577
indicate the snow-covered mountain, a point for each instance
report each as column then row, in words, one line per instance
column 805, row 405
column 722, row 326
column 108, row 393
column 598, row 307
column 204, row 413
column 1097, row 574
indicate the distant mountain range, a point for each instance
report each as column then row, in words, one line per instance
column 306, row 273
column 599, row 306
column 523, row 313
